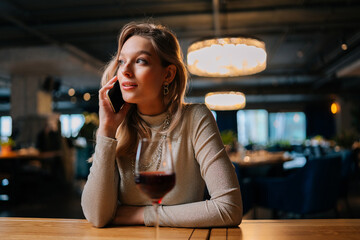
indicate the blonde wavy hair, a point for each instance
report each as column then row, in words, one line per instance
column 168, row 49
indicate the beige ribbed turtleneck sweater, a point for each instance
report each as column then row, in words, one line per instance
column 200, row 160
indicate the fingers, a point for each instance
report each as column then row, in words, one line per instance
column 113, row 80
column 106, row 87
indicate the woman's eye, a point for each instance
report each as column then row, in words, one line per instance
column 141, row 60
column 121, row 62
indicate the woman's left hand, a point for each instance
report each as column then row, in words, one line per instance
column 129, row 215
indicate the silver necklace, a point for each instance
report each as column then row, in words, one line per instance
column 156, row 158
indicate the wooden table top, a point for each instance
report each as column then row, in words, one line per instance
column 315, row 229
column 56, row 229
column 305, row 229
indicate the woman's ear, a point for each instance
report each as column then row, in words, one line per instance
column 170, row 73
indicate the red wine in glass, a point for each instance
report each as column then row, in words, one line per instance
column 155, row 184
column 154, row 171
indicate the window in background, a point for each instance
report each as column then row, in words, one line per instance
column 252, row 126
column 5, row 126
column 290, row 126
column 71, row 124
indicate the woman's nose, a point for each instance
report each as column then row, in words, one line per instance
column 126, row 70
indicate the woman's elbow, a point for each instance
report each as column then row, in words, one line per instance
column 98, row 223
column 236, row 216
column 96, row 220
column 235, row 212
column 96, row 217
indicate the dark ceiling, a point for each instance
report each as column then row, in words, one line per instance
column 303, row 39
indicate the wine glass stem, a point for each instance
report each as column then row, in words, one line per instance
column 156, row 206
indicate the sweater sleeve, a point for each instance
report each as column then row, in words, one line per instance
column 225, row 205
column 99, row 197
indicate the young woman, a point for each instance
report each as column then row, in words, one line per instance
column 153, row 78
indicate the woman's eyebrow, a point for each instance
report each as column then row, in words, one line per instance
column 139, row 53
column 144, row 52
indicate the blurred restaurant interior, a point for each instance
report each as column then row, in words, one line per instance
column 296, row 131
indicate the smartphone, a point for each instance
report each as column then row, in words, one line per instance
column 115, row 97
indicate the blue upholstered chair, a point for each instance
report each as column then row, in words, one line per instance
column 313, row 188
column 246, row 189
column 347, row 173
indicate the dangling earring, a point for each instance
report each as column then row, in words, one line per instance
column 166, row 88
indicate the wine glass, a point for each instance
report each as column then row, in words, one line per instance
column 154, row 171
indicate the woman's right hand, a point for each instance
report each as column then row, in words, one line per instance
column 108, row 120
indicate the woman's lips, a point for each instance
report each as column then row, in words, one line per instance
column 128, row 85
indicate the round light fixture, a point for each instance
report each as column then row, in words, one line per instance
column 226, row 57
column 225, row 100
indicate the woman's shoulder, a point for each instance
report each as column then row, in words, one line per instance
column 193, row 115
column 196, row 113
column 195, row 109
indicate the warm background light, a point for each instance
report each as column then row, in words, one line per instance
column 225, row 100
column 344, row 46
column 86, row 96
column 335, row 108
column 226, row 57
column 71, row 92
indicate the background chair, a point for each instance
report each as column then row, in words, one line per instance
column 313, row 188
column 246, row 188
column 347, row 174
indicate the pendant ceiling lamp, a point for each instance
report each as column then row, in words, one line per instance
column 225, row 100
column 226, row 56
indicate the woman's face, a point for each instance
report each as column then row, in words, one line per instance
column 141, row 75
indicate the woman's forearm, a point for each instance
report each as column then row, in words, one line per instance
column 129, row 215
column 218, row 212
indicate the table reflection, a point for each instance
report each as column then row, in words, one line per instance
column 260, row 157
